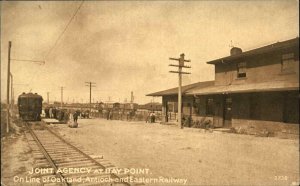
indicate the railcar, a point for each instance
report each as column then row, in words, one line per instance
column 30, row 106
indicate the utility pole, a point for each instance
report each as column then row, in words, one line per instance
column 8, row 85
column 131, row 97
column 8, row 82
column 152, row 100
column 11, row 96
column 90, row 84
column 180, row 65
column 28, row 60
column 61, row 96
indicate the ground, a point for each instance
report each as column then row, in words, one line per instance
column 16, row 159
column 203, row 158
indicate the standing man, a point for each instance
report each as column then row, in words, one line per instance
column 152, row 117
column 50, row 112
column 120, row 114
column 111, row 115
column 75, row 117
column 47, row 112
column 108, row 115
column 148, row 117
column 54, row 112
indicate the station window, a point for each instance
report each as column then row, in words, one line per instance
column 209, row 107
column 241, row 69
column 288, row 62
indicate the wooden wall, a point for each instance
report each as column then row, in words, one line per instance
column 259, row 69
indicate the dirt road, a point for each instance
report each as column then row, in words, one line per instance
column 201, row 158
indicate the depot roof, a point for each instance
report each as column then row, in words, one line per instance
column 174, row 91
column 246, row 88
column 292, row 43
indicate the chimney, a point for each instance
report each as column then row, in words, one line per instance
column 235, row 51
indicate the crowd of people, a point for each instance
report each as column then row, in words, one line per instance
column 71, row 116
column 50, row 112
column 127, row 115
column 65, row 115
column 118, row 114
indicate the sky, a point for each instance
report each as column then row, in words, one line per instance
column 124, row 46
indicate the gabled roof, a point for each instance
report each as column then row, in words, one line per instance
column 244, row 88
column 292, row 43
column 174, row 91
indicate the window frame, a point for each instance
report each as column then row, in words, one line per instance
column 288, row 63
column 240, row 73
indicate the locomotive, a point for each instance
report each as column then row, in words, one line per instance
column 30, row 106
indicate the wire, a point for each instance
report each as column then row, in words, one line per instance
column 64, row 30
column 34, row 61
column 59, row 37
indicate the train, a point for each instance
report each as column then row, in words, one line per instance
column 30, row 106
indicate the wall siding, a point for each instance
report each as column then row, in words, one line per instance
column 259, row 69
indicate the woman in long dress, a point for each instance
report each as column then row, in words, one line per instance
column 71, row 122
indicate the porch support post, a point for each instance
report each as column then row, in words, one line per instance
column 164, row 110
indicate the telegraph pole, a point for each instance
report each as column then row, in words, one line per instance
column 180, row 65
column 61, row 96
column 11, row 95
column 8, row 82
column 131, row 97
column 90, row 84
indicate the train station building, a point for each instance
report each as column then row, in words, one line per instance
column 256, row 89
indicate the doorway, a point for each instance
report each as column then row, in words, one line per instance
column 227, row 112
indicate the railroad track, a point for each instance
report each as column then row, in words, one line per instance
column 59, row 162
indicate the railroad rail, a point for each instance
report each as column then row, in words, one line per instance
column 59, row 162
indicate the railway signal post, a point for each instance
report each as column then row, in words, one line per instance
column 180, row 65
